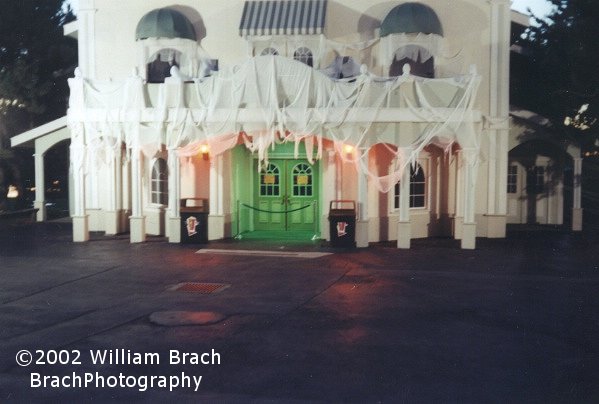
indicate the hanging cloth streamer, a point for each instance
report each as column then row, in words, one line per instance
column 270, row 100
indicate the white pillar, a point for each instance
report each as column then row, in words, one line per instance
column 458, row 219
column 499, row 78
column 404, row 227
column 174, row 196
column 216, row 218
column 40, row 186
column 362, row 222
column 500, row 58
column 329, row 190
column 80, row 220
column 137, row 219
column 469, row 179
column 92, row 205
column 492, row 172
column 112, row 214
column 577, row 203
column 86, row 37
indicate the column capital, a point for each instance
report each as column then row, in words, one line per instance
column 497, row 122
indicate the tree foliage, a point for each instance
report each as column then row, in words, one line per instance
column 35, row 60
column 562, row 69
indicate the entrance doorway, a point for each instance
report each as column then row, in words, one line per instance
column 286, row 195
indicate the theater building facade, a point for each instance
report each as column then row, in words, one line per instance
column 269, row 110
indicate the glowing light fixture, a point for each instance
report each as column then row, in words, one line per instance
column 205, row 151
column 13, row 192
column 348, row 150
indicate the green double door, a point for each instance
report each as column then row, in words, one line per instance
column 286, row 195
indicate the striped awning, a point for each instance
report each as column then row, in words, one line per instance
column 283, row 17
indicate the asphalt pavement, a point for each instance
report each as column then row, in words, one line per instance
column 516, row 320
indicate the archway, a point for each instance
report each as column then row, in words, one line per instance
column 57, row 180
column 540, row 184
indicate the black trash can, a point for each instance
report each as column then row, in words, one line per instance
column 342, row 223
column 194, row 220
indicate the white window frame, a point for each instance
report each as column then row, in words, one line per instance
column 306, row 52
column 424, row 163
column 513, row 176
column 164, row 191
column 271, row 50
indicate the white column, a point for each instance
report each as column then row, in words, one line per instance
column 112, row 215
column 497, row 161
column 216, row 218
column 329, row 190
column 174, row 195
column 499, row 78
column 458, row 218
column 362, row 222
column 86, row 37
column 40, row 186
column 404, row 227
column 469, row 179
column 137, row 219
column 92, row 206
column 500, row 58
column 492, row 172
column 577, row 203
column 80, row 220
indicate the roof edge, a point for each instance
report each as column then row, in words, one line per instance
column 35, row 133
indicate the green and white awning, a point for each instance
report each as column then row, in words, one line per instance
column 282, row 17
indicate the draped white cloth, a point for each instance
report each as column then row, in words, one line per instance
column 270, row 100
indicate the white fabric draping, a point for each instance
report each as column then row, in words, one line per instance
column 269, row 100
column 411, row 46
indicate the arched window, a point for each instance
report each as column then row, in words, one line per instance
column 270, row 181
column 421, row 62
column 159, row 186
column 417, row 189
column 269, row 51
column 302, row 180
column 304, row 55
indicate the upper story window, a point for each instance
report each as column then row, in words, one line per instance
column 411, row 33
column 417, row 189
column 421, row 62
column 159, row 182
column 169, row 38
column 512, row 179
column 269, row 51
column 304, row 55
column 160, row 66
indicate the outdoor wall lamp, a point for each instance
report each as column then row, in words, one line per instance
column 348, row 150
column 205, row 151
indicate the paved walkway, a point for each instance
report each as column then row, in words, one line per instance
column 514, row 321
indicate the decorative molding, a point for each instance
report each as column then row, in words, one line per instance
column 496, row 122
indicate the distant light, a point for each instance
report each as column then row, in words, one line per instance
column 567, row 121
column 13, row 192
column 55, row 182
column 348, row 149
